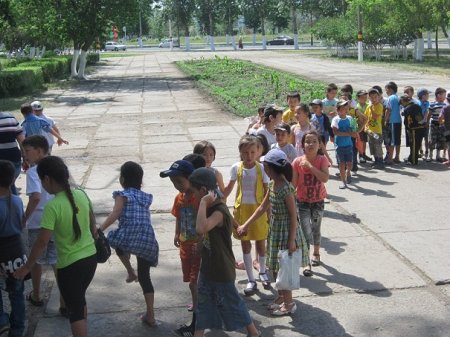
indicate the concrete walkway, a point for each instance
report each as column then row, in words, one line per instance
column 385, row 245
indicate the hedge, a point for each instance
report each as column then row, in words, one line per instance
column 20, row 80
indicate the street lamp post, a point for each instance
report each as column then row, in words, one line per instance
column 360, row 36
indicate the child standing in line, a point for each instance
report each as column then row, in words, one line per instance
column 68, row 216
column 414, row 124
column 208, row 151
column 12, row 253
column 361, row 106
column 342, row 129
column 321, row 123
column 135, row 234
column 309, row 178
column 251, row 187
column 219, row 304
column 437, row 138
column 38, row 110
column 303, row 125
column 423, row 95
column 35, row 148
column 184, row 209
column 330, row 101
column 285, row 230
column 444, row 121
column 293, row 99
column 374, row 127
column 272, row 117
column 283, row 132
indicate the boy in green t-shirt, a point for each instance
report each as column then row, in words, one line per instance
column 374, row 127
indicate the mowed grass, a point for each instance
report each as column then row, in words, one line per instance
column 242, row 86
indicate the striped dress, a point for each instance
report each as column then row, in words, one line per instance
column 279, row 227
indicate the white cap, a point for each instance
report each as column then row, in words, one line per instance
column 36, row 105
column 276, row 157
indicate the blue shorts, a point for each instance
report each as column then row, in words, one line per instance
column 344, row 154
column 220, row 306
column 49, row 254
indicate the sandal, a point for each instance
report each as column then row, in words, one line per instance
column 315, row 261
column 274, row 305
column 151, row 324
column 265, row 281
column 36, row 303
column 185, row 331
column 307, row 272
column 284, row 311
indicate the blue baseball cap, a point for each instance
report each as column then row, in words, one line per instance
column 178, row 168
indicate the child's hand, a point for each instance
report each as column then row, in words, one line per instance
column 21, row 272
column 176, row 240
column 62, row 141
column 241, row 230
column 209, row 198
column 305, row 163
column 292, row 246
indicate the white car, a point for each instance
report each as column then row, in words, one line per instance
column 165, row 43
column 114, row 46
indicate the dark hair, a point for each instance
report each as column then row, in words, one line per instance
column 331, row 87
column 378, row 88
column 196, row 159
column 305, row 108
column 131, row 174
column 393, row 86
column 261, row 108
column 54, row 168
column 439, row 90
column 201, row 146
column 263, row 143
column 285, row 170
column 347, row 95
column 26, row 109
column 293, row 94
column 7, row 173
column 36, row 142
column 319, row 137
column 408, row 88
column 347, row 88
column 248, row 140
column 269, row 113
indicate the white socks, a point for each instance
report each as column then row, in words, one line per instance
column 262, row 264
column 249, row 266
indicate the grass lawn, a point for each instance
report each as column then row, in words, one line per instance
column 242, row 86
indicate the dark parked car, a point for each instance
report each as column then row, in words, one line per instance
column 281, row 40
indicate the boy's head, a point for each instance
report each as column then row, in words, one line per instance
column 391, row 88
column 196, row 159
column 423, row 94
column 342, row 107
column 37, row 107
column 346, row 96
column 331, row 91
column 408, row 90
column 178, row 173
column 272, row 113
column 35, row 148
column 7, row 174
column 347, row 88
column 293, row 99
column 378, row 88
column 26, row 109
column 282, row 132
column 316, row 106
column 203, row 180
column 405, row 99
column 361, row 96
column 439, row 93
column 374, row 95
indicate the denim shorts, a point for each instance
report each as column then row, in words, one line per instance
column 49, row 254
column 344, row 154
column 220, row 306
column 311, row 214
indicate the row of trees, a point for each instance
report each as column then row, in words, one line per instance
column 58, row 23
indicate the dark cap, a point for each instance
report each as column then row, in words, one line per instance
column 272, row 109
column 342, row 102
column 373, row 91
column 405, row 98
column 283, row 127
column 178, row 168
column 422, row 92
column 361, row 93
column 275, row 157
column 204, row 176
column 316, row 102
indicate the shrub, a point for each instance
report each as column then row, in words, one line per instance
column 52, row 68
column 20, row 80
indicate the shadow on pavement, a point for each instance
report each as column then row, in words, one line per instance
column 332, row 247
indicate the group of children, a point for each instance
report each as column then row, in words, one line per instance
column 352, row 123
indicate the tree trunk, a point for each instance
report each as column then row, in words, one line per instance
column 187, row 40
column 294, row 26
column 419, row 49
column 448, row 37
column 254, row 36
column 42, row 52
column 429, row 42
column 211, row 32
column 211, row 41
column 32, row 52
column 233, row 42
column 82, row 67
column 437, row 44
column 227, row 39
column 263, row 32
column 73, row 65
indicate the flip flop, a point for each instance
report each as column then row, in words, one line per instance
column 131, row 279
column 153, row 324
column 239, row 265
column 36, row 303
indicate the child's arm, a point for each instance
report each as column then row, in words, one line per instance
column 241, row 230
column 363, row 119
column 220, row 183
column 292, row 210
column 203, row 223
column 119, row 203
column 58, row 136
column 38, row 247
column 342, row 133
column 176, row 239
column 227, row 189
column 33, row 201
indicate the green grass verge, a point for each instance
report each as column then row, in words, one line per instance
column 242, row 86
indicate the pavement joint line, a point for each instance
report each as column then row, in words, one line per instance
column 431, row 286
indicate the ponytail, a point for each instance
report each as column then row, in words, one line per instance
column 75, row 224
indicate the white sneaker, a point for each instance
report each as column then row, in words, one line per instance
column 250, row 289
